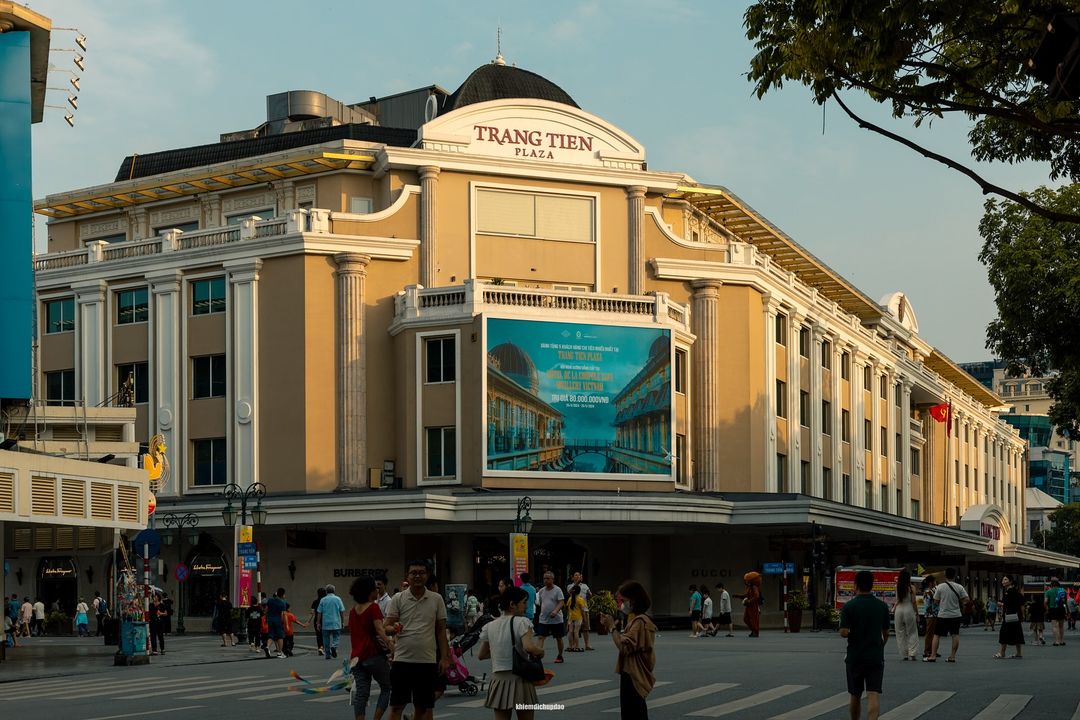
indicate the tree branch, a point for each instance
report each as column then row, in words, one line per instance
column 986, row 186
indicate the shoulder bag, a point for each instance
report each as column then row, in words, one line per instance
column 526, row 666
column 965, row 605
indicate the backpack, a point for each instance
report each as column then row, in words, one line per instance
column 103, row 607
column 1059, row 599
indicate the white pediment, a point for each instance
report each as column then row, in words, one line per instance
column 535, row 130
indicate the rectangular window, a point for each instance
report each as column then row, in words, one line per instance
column 535, row 215
column 899, row 501
column 868, row 436
column 826, row 417
column 986, row 481
column 360, row 205
column 883, row 386
column 132, row 306
column 139, row 376
column 867, row 378
column 781, row 329
column 804, row 476
column 208, row 296
column 846, row 489
column 263, row 214
column 59, row 316
column 440, row 360
column 211, row 464
column 845, row 426
column 916, row 468
column 915, row 510
column 826, row 355
column 208, row 376
column 897, row 394
column 441, row 452
column 956, row 472
column 826, row 483
column 781, row 399
column 60, row 387
column 781, row 472
column 967, row 475
column 680, row 371
column 957, row 521
column 845, row 365
column 869, row 500
column 884, row 442
column 899, row 450
column 680, row 453
column 804, row 408
column 804, row 342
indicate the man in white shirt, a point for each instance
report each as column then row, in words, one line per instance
column 724, row 616
column 383, row 601
column 950, row 597
column 586, row 594
column 39, row 618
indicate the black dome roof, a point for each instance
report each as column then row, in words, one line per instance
column 498, row 81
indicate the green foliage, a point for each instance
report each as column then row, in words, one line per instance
column 1064, row 537
column 827, row 616
column 603, row 602
column 797, row 601
column 926, row 59
column 1034, row 267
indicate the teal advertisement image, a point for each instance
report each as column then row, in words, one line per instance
column 16, row 206
column 572, row 398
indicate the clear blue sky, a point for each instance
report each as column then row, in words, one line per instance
column 163, row 75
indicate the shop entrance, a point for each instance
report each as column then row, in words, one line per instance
column 58, row 584
column 208, row 579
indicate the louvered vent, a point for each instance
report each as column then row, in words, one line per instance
column 109, row 433
column 101, row 501
column 87, row 538
column 43, row 538
column 7, row 493
column 65, row 538
column 72, row 498
column 127, row 503
column 42, row 496
column 66, row 432
column 24, row 539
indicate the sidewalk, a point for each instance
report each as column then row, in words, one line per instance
column 67, row 655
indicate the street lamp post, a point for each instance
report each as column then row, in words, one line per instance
column 524, row 522
column 519, row 540
column 172, row 520
column 233, row 492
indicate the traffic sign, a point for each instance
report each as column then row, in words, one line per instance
column 149, row 537
column 245, row 548
column 181, row 572
column 250, row 562
column 777, row 568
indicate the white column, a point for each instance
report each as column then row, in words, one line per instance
column 166, row 368
column 905, row 442
column 794, row 480
column 874, row 471
column 816, row 396
column 858, row 442
column 91, row 327
column 352, row 372
column 839, row 467
column 429, row 260
column 636, row 225
column 769, row 308
column 705, row 316
column 243, row 360
column 890, row 442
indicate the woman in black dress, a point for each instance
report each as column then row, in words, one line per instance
column 1037, row 617
column 1012, row 627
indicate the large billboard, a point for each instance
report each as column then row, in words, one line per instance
column 572, row 399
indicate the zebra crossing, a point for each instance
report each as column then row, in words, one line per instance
column 586, row 697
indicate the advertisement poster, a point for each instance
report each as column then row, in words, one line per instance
column 244, row 586
column 455, row 606
column 572, row 399
column 519, row 556
column 884, row 585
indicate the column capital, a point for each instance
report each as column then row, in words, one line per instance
column 636, row 191
column 706, row 288
column 351, row 263
column 243, row 270
column 429, row 172
column 90, row 291
column 165, row 281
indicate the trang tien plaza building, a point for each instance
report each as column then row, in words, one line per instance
column 401, row 316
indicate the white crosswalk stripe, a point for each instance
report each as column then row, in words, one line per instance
column 98, row 689
column 920, row 705
column 248, row 687
column 1076, row 715
column 812, row 710
column 748, row 702
column 597, row 697
column 542, row 692
column 1004, row 707
column 185, row 687
column 39, row 686
column 655, row 702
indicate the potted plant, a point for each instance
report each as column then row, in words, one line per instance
column 827, row 617
column 58, row 622
column 796, row 604
column 601, row 603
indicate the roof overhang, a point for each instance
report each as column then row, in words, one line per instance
column 748, row 225
column 952, row 372
column 23, row 18
column 209, row 178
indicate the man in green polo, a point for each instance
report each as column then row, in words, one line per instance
column 864, row 621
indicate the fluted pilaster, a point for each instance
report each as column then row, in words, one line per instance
column 352, row 371
column 429, row 261
column 705, row 318
column 636, row 208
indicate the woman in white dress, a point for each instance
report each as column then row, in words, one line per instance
column 906, row 617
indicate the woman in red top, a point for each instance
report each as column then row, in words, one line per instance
column 368, row 654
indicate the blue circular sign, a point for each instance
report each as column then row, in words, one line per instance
column 149, row 537
column 181, row 572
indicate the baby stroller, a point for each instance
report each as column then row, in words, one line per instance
column 458, row 674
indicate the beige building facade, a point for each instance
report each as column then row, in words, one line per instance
column 325, row 311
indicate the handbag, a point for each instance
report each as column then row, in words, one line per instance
column 525, row 666
column 1012, row 617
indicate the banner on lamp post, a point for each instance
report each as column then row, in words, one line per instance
column 244, row 583
column 519, row 556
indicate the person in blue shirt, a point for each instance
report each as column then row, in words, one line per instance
column 331, row 615
column 530, row 602
column 695, row 612
column 275, row 625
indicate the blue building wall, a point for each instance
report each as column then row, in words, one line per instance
column 16, row 206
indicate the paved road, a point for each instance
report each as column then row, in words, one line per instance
column 777, row 677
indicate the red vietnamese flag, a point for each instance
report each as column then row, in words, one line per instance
column 943, row 413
